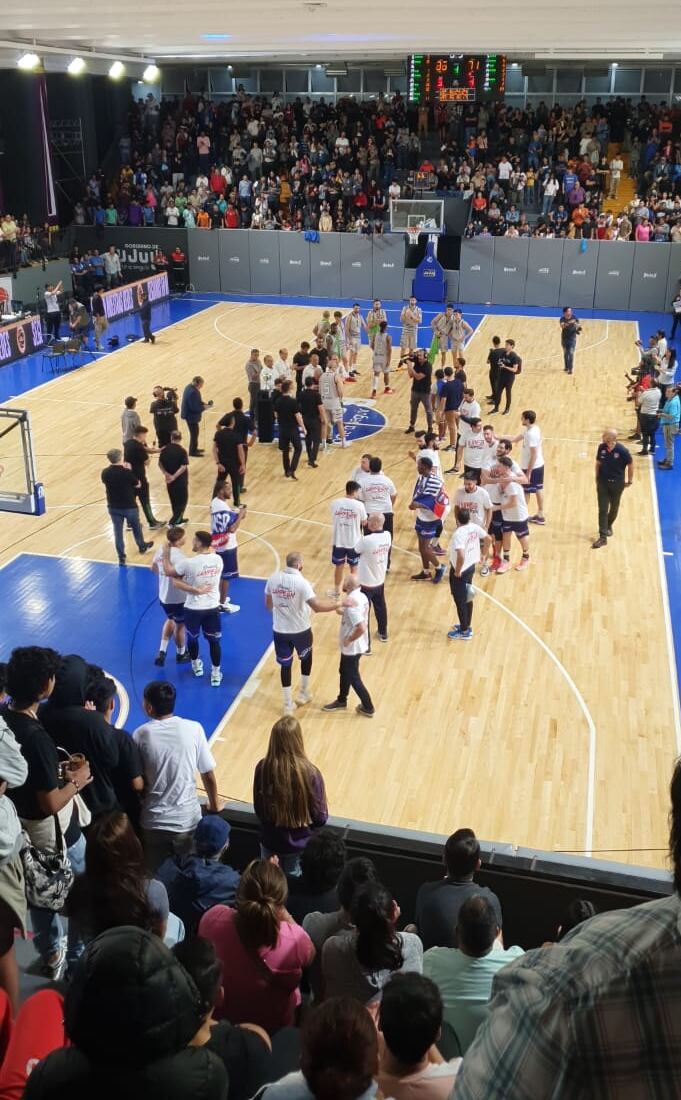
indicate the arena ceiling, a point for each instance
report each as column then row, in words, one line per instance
column 318, row 30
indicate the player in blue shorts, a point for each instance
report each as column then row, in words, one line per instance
column 224, row 524
column 199, row 576
column 171, row 599
column 431, row 504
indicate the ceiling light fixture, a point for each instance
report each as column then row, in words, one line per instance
column 117, row 70
column 76, row 66
column 151, row 74
column 28, row 62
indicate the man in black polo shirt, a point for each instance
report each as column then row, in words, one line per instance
column 614, row 474
column 136, row 454
column 290, row 425
column 121, row 499
column 174, row 465
column 228, row 452
column 420, row 372
column 438, row 903
column 300, row 361
column 312, row 411
column 164, row 411
column 244, row 426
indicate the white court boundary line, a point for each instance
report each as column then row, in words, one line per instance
column 671, row 651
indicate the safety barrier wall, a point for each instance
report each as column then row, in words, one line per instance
column 585, row 274
column 535, row 888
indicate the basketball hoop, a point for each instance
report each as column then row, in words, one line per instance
column 413, row 232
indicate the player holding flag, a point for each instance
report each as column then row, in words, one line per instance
column 224, row 524
column 431, row 504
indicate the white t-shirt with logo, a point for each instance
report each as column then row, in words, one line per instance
column 497, row 470
column 474, row 449
column 352, row 616
column 373, row 550
column 199, row 570
column 513, row 506
column 466, row 538
column 290, row 592
column 167, row 592
column 531, row 438
column 347, row 516
column 377, row 490
column 477, row 503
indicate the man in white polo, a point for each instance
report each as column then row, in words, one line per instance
column 290, row 596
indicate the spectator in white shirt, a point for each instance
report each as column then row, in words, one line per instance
column 173, row 750
column 464, row 555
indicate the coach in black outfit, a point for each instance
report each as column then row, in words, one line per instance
column 145, row 317
column 174, row 465
column 312, row 410
column 164, row 411
column 228, row 452
column 614, row 474
column 290, row 426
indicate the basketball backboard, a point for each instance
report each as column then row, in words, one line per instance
column 428, row 214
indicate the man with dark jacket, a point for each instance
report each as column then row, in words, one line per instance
column 174, row 465
column 78, row 729
column 192, row 411
column 145, row 318
column 197, row 882
column 438, row 903
column 137, row 1025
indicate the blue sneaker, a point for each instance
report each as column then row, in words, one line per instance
column 438, row 574
column 455, row 632
column 466, row 635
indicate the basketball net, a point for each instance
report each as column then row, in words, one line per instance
column 413, row 232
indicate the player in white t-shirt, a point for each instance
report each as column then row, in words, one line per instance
column 199, row 577
column 374, row 557
column 475, row 450
column 362, row 471
column 171, row 599
column 515, row 514
column 493, row 474
column 475, row 500
column 348, row 515
column 532, row 461
column 224, row 524
column 354, row 641
column 468, row 410
column 379, row 495
column 469, row 542
column 290, row 597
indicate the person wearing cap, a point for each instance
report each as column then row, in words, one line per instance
column 137, row 1025
column 198, row 881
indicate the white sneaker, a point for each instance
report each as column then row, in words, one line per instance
column 303, row 697
column 289, row 708
column 197, row 667
column 215, row 677
column 230, row 608
column 345, row 443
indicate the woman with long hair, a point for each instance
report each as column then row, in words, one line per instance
column 262, row 950
column 359, row 961
column 115, row 888
column 289, row 796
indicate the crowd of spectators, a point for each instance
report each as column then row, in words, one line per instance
column 295, row 978
column 23, row 244
column 259, row 162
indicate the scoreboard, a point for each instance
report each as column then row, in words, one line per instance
column 456, row 78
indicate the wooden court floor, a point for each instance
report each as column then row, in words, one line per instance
column 556, row 727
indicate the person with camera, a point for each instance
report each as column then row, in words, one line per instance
column 192, row 410
column 46, row 802
column 570, row 329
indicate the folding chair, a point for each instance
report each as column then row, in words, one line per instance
column 56, row 353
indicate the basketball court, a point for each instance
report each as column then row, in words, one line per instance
column 555, row 728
